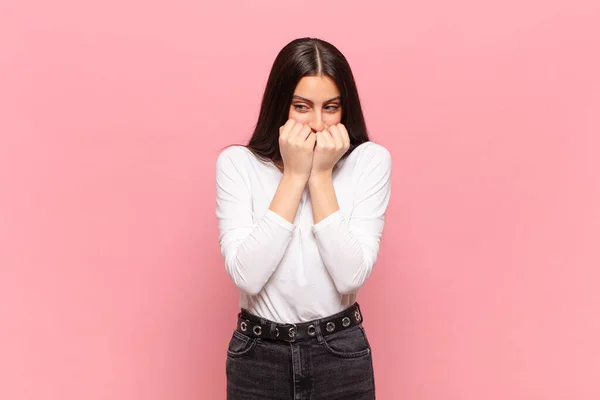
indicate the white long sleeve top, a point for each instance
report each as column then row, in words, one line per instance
column 297, row 272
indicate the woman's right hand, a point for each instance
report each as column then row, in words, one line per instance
column 296, row 144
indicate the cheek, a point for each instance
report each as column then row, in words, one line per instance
column 333, row 119
column 299, row 117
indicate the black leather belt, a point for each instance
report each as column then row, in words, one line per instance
column 255, row 326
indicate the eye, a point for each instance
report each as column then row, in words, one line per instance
column 332, row 108
column 300, row 107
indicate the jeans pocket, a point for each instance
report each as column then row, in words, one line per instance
column 240, row 344
column 349, row 343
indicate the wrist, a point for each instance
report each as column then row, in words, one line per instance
column 295, row 179
column 320, row 176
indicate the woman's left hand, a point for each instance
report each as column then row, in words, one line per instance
column 332, row 144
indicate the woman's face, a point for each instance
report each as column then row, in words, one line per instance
column 316, row 102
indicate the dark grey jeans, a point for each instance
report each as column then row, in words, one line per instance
column 335, row 366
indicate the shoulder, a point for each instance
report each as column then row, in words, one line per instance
column 233, row 155
column 371, row 153
column 235, row 152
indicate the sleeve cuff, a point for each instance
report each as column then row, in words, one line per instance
column 279, row 220
column 325, row 222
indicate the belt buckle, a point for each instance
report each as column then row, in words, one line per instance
column 293, row 332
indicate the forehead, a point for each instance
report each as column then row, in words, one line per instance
column 317, row 88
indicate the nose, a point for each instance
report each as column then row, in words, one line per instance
column 316, row 123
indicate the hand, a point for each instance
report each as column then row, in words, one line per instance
column 296, row 144
column 332, row 143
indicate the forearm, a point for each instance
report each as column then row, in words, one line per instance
column 253, row 254
column 347, row 260
column 287, row 197
column 255, row 259
column 322, row 195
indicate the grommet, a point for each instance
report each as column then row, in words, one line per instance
column 330, row 326
column 292, row 332
column 357, row 315
column 257, row 330
column 311, row 330
column 345, row 322
column 243, row 326
column 277, row 331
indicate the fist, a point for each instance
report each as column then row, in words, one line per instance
column 296, row 145
column 332, row 143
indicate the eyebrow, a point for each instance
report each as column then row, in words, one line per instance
column 311, row 102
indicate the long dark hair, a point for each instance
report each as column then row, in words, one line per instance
column 299, row 58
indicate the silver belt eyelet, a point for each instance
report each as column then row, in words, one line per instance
column 292, row 333
column 243, row 326
column 257, row 330
column 311, row 330
column 330, row 326
column 345, row 322
column 357, row 315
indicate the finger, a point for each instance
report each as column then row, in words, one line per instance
column 345, row 136
column 295, row 130
column 325, row 139
column 285, row 128
column 304, row 133
column 311, row 140
column 336, row 135
column 318, row 139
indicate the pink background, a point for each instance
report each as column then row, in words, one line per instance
column 112, row 115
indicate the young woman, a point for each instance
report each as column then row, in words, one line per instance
column 301, row 212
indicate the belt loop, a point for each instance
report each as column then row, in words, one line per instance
column 319, row 333
column 273, row 330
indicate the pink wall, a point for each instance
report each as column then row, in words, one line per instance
column 112, row 114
